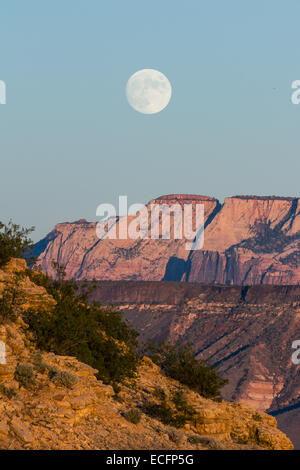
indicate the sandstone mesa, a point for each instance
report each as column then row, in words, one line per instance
column 248, row 240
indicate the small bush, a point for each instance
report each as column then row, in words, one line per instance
column 52, row 371
column 179, row 362
column 179, row 398
column 133, row 416
column 24, row 374
column 177, row 417
column 14, row 242
column 175, row 436
column 161, row 411
column 39, row 365
column 159, row 393
column 165, row 414
column 63, row 378
column 9, row 392
column 180, row 401
column 116, row 388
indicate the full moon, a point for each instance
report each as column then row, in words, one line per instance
column 148, row 91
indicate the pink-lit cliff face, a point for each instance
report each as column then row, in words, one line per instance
column 247, row 240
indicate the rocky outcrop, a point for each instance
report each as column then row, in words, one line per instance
column 248, row 240
column 51, row 416
column 55, row 402
column 14, row 278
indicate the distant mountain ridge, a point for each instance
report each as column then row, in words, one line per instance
column 247, row 240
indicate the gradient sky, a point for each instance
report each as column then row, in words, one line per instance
column 69, row 140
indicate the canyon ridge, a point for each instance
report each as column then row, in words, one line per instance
column 248, row 240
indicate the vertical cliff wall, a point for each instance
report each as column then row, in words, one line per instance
column 248, row 240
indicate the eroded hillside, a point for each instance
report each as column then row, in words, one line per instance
column 49, row 401
column 246, row 332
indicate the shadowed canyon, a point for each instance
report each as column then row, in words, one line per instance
column 246, row 332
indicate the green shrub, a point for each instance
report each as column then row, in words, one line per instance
column 39, row 365
column 24, row 374
column 133, row 416
column 93, row 334
column 63, row 378
column 164, row 413
column 9, row 392
column 161, row 411
column 118, row 398
column 179, row 362
column 52, row 371
column 14, row 242
column 159, row 393
column 180, row 401
column 116, row 388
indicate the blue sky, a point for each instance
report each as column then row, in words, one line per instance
column 69, row 140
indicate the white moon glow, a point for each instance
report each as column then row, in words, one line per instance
column 148, row 91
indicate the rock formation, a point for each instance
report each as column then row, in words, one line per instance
column 252, row 240
column 247, row 240
column 43, row 410
column 85, row 256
